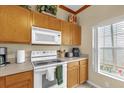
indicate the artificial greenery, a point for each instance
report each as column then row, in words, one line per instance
column 52, row 9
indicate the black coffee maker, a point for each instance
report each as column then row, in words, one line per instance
column 76, row 52
column 3, row 56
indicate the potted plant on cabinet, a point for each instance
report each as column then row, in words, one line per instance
column 47, row 9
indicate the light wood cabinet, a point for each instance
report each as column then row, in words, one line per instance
column 46, row 21
column 66, row 33
column 40, row 20
column 19, row 80
column 54, row 23
column 71, row 33
column 15, row 25
column 2, row 82
column 76, row 34
column 73, row 75
column 77, row 73
column 83, row 71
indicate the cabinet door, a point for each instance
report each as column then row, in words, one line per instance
column 66, row 33
column 83, row 71
column 76, row 34
column 15, row 24
column 40, row 20
column 20, row 80
column 54, row 23
column 2, row 82
column 72, row 76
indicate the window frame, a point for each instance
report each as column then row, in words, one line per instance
column 95, row 58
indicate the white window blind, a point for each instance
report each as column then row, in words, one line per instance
column 110, row 48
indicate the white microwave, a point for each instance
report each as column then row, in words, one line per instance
column 45, row 36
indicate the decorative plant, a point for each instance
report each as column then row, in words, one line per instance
column 52, row 9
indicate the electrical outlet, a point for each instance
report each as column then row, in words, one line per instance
column 107, row 84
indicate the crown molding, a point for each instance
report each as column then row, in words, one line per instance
column 72, row 11
column 67, row 9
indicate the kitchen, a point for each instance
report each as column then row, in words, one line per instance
column 38, row 44
column 74, row 46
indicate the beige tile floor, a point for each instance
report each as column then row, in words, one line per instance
column 86, row 85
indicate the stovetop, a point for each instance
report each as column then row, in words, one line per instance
column 46, row 62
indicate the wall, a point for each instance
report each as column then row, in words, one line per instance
column 12, row 48
column 89, row 18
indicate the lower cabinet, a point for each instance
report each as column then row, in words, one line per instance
column 73, row 74
column 83, row 71
column 2, row 82
column 77, row 73
column 19, row 80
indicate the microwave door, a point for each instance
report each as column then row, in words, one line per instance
column 40, row 37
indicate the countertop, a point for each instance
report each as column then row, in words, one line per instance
column 27, row 66
column 15, row 68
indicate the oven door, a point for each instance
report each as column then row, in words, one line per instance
column 40, row 80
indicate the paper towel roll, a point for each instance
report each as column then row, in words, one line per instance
column 20, row 56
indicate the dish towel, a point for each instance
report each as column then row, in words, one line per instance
column 59, row 74
column 50, row 73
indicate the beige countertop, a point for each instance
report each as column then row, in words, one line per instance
column 17, row 68
column 68, row 60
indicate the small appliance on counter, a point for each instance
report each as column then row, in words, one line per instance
column 20, row 56
column 76, row 52
column 3, row 56
column 68, row 54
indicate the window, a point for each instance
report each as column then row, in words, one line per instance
column 109, row 42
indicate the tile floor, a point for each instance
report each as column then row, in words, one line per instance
column 86, row 85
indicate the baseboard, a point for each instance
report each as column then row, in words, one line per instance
column 93, row 84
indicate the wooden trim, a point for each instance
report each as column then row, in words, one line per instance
column 67, row 9
column 74, row 12
column 82, row 8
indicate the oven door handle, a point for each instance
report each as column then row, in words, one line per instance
column 43, row 69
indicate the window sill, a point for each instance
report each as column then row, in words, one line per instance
column 113, row 76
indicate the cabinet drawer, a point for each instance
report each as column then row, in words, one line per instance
column 84, row 62
column 73, row 64
column 19, row 78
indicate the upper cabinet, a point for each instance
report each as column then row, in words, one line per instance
column 40, row 20
column 15, row 24
column 54, row 23
column 76, row 34
column 66, row 33
column 71, row 33
column 46, row 21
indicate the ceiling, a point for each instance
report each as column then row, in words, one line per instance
column 74, row 9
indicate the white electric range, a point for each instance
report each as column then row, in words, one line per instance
column 43, row 61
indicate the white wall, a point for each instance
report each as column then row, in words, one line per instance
column 88, row 18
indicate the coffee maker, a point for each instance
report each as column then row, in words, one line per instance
column 3, row 56
column 76, row 52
